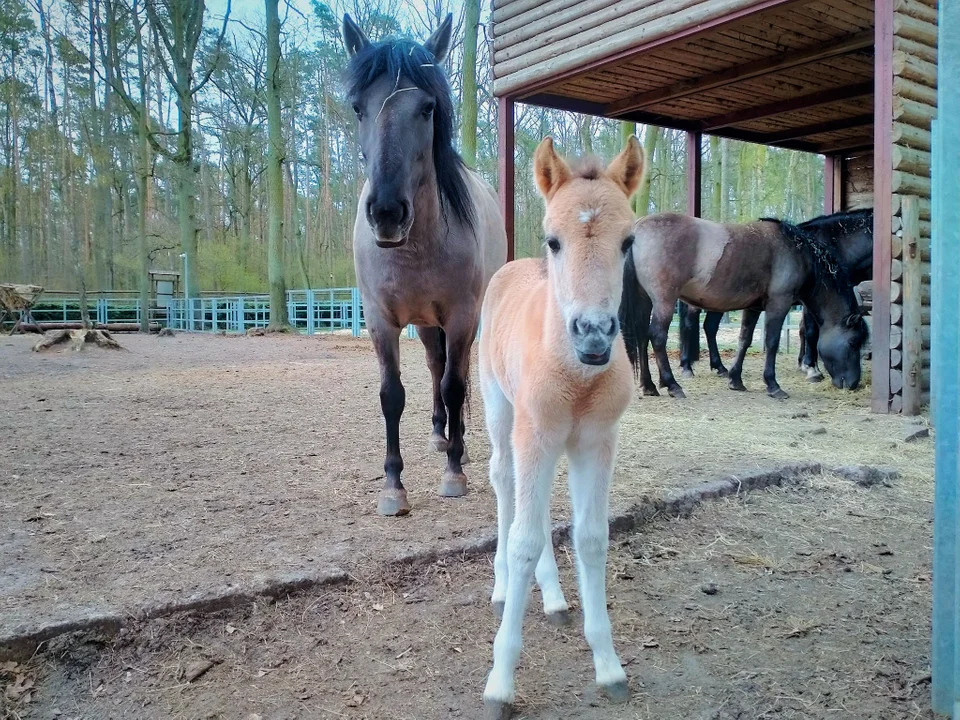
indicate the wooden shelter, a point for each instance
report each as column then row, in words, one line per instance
column 854, row 80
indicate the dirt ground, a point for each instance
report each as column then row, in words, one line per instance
column 810, row 601
column 193, row 465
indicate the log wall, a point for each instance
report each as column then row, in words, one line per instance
column 534, row 39
column 914, row 106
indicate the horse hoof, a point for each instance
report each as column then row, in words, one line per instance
column 561, row 618
column 676, row 392
column 498, row 606
column 686, row 372
column 438, row 443
column 778, row 394
column 814, row 376
column 453, row 484
column 496, row 710
column 739, row 387
column 618, row 693
column 650, row 392
column 393, row 503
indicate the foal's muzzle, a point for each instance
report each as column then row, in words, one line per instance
column 593, row 336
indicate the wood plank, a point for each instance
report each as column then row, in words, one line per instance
column 911, row 112
column 506, row 125
column 906, row 183
column 883, row 129
column 914, row 91
column 912, row 305
column 913, row 29
column 895, row 207
column 822, row 97
column 549, row 25
column 913, row 68
column 914, row 9
column 912, row 161
column 816, row 129
column 743, row 72
column 533, row 11
column 917, row 50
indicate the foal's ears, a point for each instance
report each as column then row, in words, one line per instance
column 353, row 36
column 549, row 169
column 438, row 44
column 628, row 167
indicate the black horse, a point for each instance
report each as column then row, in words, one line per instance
column 849, row 235
column 769, row 265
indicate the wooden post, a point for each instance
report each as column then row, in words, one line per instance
column 694, row 173
column 506, row 168
column 912, row 306
column 883, row 201
column 832, row 184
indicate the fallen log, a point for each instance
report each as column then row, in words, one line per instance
column 111, row 327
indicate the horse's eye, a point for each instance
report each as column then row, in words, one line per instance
column 358, row 112
column 627, row 244
column 428, row 109
column 553, row 244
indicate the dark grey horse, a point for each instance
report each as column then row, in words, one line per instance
column 762, row 266
column 427, row 239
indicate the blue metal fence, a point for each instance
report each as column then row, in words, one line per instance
column 945, row 369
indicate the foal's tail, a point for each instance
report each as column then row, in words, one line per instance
column 635, row 309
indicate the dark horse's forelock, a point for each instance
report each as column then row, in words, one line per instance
column 826, row 265
column 406, row 60
column 839, row 225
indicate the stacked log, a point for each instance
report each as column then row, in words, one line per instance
column 914, row 106
column 858, row 181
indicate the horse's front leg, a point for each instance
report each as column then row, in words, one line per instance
column 393, row 496
column 435, row 345
column 711, row 325
column 591, row 468
column 689, row 338
column 535, row 462
column 748, row 322
column 810, row 334
column 453, row 389
column 659, row 329
column 776, row 313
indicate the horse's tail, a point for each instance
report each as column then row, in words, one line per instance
column 635, row 308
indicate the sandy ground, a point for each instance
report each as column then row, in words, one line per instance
column 191, row 465
column 804, row 602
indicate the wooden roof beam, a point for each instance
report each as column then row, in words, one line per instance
column 805, row 131
column 821, row 97
column 739, row 73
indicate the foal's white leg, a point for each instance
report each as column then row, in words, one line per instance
column 591, row 468
column 548, row 578
column 499, row 416
column 535, row 461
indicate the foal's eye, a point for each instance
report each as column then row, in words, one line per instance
column 627, row 244
column 358, row 112
column 553, row 244
column 428, row 109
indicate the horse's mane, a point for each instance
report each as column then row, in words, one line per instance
column 407, row 60
column 826, row 265
column 839, row 224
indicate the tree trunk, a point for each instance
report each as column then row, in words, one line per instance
column 275, row 153
column 724, row 180
column 650, row 140
column 468, row 111
column 716, row 160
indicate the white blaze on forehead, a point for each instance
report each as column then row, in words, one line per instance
column 588, row 214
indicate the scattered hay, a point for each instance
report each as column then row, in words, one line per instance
column 77, row 339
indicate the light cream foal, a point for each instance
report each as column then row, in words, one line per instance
column 555, row 378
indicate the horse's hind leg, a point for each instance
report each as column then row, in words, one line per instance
column 393, row 496
column 453, row 389
column 748, row 322
column 689, row 338
column 591, row 468
column 659, row 327
column 711, row 325
column 776, row 313
column 434, row 343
